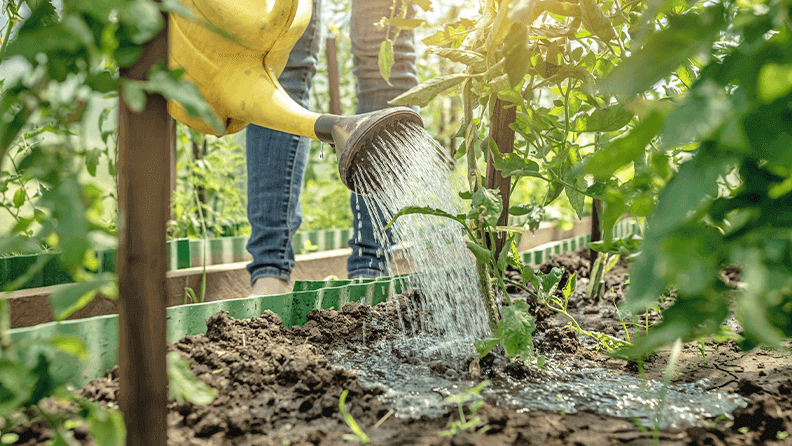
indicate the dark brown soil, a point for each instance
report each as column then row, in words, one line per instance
column 277, row 387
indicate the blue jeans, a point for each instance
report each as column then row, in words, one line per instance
column 276, row 161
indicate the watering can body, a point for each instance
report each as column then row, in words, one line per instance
column 237, row 75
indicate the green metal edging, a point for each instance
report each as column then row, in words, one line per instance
column 100, row 334
column 541, row 253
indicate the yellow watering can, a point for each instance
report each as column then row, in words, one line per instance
column 239, row 78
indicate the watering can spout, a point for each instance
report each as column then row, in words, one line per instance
column 356, row 141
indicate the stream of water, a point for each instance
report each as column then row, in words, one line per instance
column 433, row 247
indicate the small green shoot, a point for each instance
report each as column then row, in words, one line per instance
column 471, row 395
column 183, row 385
column 676, row 349
column 357, row 433
column 544, row 291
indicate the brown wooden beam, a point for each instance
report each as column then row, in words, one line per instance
column 144, row 162
column 503, row 135
column 332, row 75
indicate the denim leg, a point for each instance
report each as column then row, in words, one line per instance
column 276, row 163
column 373, row 93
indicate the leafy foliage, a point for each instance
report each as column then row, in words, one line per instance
column 727, row 205
column 62, row 62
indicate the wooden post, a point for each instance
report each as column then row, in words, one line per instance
column 596, row 231
column 144, row 161
column 503, row 135
column 332, row 75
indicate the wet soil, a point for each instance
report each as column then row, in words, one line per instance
column 278, row 386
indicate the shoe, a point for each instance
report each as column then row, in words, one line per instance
column 269, row 286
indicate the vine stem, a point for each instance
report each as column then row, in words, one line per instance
column 9, row 29
column 595, row 335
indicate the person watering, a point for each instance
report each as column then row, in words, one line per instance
column 276, row 161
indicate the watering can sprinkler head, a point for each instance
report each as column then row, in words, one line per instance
column 354, row 138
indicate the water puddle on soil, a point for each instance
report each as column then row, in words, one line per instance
column 416, row 384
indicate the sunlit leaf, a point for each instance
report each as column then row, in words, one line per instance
column 664, row 52
column 625, row 150
column 607, row 119
column 386, row 59
column 515, row 54
column 406, row 23
column 472, row 59
column 595, row 20
column 423, row 93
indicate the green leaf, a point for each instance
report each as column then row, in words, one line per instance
column 71, row 345
column 405, row 23
column 106, row 426
column 665, row 51
column 549, row 282
column 171, row 85
column 143, row 20
column 423, row 93
column 19, row 198
column 485, row 207
column 518, row 326
column 408, row 210
column 102, row 82
column 570, row 286
column 183, row 385
column 68, row 299
column 16, row 386
column 625, row 150
column 484, row 346
column 595, row 21
column 607, row 119
column 134, row 95
column 386, row 59
column 482, row 254
column 476, row 61
column 515, row 53
column 775, row 81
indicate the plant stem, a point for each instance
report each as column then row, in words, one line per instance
column 9, row 29
column 595, row 335
column 485, row 286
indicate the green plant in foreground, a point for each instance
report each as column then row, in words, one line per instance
column 673, row 358
column 183, row 385
column 472, row 396
column 357, row 433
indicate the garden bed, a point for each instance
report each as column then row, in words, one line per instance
column 279, row 386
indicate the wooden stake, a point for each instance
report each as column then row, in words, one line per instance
column 144, row 162
column 503, row 135
column 332, row 75
column 596, row 231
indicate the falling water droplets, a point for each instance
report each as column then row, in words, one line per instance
column 413, row 172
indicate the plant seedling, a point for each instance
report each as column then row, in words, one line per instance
column 471, row 395
column 357, row 433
